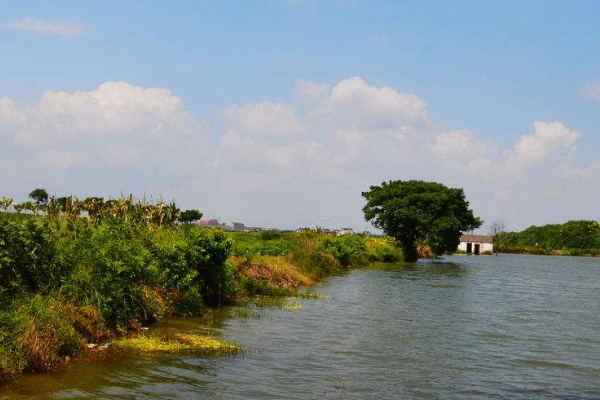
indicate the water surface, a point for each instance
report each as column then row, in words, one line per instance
column 463, row 327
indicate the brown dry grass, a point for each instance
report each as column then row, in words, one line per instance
column 278, row 271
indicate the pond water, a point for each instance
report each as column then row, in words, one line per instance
column 463, row 327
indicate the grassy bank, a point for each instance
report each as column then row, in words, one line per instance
column 69, row 280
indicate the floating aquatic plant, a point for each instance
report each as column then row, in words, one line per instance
column 177, row 343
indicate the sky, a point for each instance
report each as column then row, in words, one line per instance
column 280, row 113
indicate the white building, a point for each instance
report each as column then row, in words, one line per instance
column 233, row 226
column 476, row 244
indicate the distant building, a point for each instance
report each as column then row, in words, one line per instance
column 209, row 222
column 233, row 226
column 345, row 231
column 476, row 244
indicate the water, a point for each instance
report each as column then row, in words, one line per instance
column 497, row 327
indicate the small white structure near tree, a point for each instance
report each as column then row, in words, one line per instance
column 476, row 244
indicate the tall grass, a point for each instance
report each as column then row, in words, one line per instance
column 297, row 259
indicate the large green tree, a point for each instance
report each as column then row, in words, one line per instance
column 40, row 196
column 418, row 212
column 191, row 215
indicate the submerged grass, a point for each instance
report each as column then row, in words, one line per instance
column 293, row 307
column 176, row 343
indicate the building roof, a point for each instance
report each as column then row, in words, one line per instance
column 476, row 238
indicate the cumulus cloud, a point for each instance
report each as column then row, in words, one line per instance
column 357, row 126
column 33, row 24
column 591, row 91
column 353, row 102
column 86, row 126
column 549, row 139
column 460, row 148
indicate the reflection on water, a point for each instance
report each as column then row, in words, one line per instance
column 504, row 327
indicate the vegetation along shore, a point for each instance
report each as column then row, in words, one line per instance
column 76, row 273
column 573, row 238
column 73, row 273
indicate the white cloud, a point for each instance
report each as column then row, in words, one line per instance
column 115, row 124
column 548, row 148
column 460, row 148
column 10, row 117
column 33, row 24
column 591, row 91
column 114, row 110
column 549, row 138
column 273, row 120
column 353, row 102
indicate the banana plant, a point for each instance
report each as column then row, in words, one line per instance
column 5, row 203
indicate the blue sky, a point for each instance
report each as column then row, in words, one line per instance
column 489, row 68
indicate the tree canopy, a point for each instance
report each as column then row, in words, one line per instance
column 417, row 212
column 191, row 215
column 39, row 195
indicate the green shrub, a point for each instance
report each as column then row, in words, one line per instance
column 111, row 264
column 387, row 254
column 207, row 253
column 347, row 250
column 27, row 255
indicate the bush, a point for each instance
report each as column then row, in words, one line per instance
column 27, row 256
column 111, row 264
column 65, row 281
column 207, row 253
column 346, row 249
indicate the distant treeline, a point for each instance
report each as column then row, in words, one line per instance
column 572, row 238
